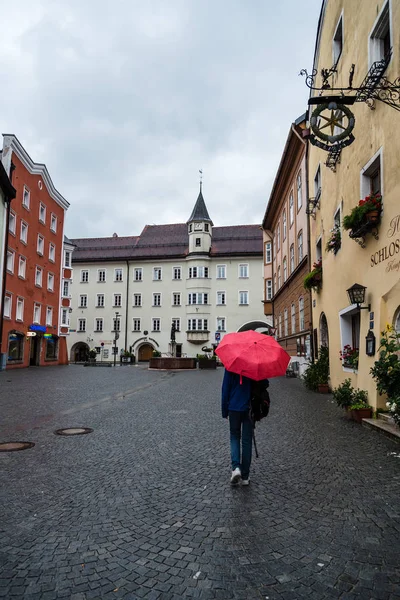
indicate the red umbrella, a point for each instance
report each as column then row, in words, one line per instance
column 253, row 355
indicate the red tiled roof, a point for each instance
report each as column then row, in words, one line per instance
column 168, row 241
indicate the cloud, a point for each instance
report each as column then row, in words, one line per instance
column 125, row 101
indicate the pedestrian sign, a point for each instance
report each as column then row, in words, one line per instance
column 217, row 336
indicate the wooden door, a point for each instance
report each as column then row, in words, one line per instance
column 145, row 352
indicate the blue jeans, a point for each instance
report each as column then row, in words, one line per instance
column 240, row 426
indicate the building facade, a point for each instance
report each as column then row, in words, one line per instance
column 7, row 193
column 285, row 227
column 205, row 280
column 362, row 42
column 31, row 311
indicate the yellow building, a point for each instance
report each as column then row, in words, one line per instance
column 358, row 42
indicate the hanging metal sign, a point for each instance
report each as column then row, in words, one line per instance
column 339, row 122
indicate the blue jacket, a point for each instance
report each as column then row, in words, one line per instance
column 235, row 395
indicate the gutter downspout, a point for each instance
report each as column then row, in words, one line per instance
column 306, row 144
column 3, row 283
column 126, row 310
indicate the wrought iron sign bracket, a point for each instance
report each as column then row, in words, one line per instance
column 312, row 205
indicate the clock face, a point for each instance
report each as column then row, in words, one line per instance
column 197, row 227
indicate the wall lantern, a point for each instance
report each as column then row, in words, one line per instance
column 370, row 343
column 356, row 294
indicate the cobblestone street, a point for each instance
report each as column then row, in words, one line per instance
column 142, row 507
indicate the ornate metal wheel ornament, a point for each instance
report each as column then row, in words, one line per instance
column 332, row 116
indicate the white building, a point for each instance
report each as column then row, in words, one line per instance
column 206, row 280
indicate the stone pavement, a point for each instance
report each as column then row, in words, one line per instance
column 142, row 507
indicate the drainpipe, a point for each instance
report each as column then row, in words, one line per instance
column 127, row 300
column 3, row 283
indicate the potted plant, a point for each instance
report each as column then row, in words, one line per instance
column 207, row 360
column 386, row 370
column 156, row 354
column 335, row 240
column 365, row 216
column 316, row 376
column 343, row 394
column 360, row 410
column 313, row 280
column 349, row 357
column 92, row 355
column 354, row 401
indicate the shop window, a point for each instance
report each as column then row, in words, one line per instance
column 51, row 348
column 15, row 346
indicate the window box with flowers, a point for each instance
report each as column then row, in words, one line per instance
column 364, row 218
column 335, row 240
column 349, row 357
column 313, row 280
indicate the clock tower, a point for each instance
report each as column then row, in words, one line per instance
column 200, row 227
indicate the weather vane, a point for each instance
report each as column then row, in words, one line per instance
column 201, row 177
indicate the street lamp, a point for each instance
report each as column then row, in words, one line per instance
column 116, row 336
column 356, row 294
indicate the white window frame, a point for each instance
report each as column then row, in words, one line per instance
column 118, row 274
column 115, row 300
column 99, row 304
column 176, row 271
column 279, row 277
column 65, row 288
column 67, row 259
column 221, row 268
column 40, row 245
column 293, row 318
column 300, row 251
column 42, row 213
column 138, row 274
column 24, row 232
column 291, row 209
column 22, row 271
column 285, row 273
column 292, row 258
column 12, row 222
column 100, row 277
column 53, row 223
column 221, row 324
column 50, row 282
column 317, row 183
column 49, row 315
column 157, row 299
column 19, row 309
column 375, row 39
column 37, row 312
column 243, row 267
column 301, row 314
column 173, row 299
column 86, row 278
column 64, row 317
column 368, row 170
column 99, row 321
column 286, row 322
column 79, row 328
column 156, row 324
column 268, row 253
column 268, row 289
column 26, row 197
column 221, row 298
column 177, row 322
column 157, row 273
column 136, row 321
column 10, row 261
column 284, row 225
column 134, row 304
column 246, row 297
column 39, row 271
column 338, row 40
column 299, row 191
column 7, row 309
column 346, row 332
column 52, row 252
column 83, row 301
column 116, row 324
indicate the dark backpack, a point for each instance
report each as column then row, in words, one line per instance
column 260, row 400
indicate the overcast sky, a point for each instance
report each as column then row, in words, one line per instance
column 125, row 101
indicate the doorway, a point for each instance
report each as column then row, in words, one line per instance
column 34, row 357
column 178, row 350
column 145, row 352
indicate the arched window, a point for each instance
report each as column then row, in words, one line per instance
column 284, row 225
column 301, row 314
column 279, row 277
column 293, row 318
column 300, row 246
column 299, row 192
column 284, row 269
column 286, row 322
column 291, row 209
column 292, row 258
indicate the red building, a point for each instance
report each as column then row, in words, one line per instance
column 35, row 264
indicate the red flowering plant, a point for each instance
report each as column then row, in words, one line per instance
column 349, row 357
column 371, row 202
column 313, row 280
column 358, row 217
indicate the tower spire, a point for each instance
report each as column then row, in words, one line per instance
column 201, row 178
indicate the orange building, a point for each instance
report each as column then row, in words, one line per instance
column 35, row 263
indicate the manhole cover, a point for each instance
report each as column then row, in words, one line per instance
column 14, row 446
column 74, row 431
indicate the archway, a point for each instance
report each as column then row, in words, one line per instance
column 79, row 352
column 323, row 331
column 260, row 326
column 145, row 352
